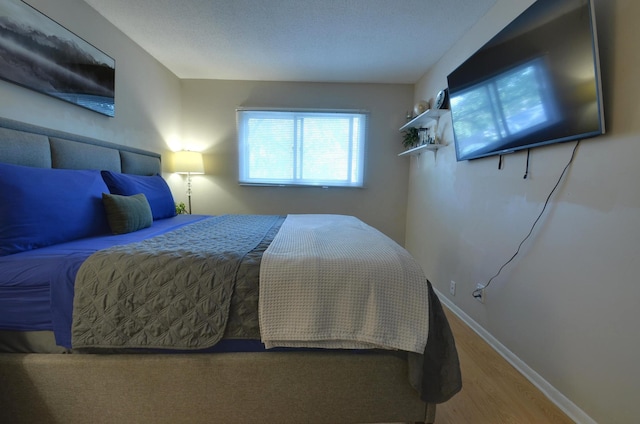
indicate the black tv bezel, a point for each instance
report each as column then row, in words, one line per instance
column 577, row 136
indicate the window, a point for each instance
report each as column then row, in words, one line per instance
column 317, row 148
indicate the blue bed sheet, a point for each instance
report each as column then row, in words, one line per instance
column 36, row 287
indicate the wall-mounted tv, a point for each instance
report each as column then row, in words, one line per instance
column 537, row 82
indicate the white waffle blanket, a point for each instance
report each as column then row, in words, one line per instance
column 332, row 281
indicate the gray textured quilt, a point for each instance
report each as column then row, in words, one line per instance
column 172, row 291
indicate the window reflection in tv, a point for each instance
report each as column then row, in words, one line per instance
column 535, row 83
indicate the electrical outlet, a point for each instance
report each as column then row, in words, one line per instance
column 479, row 293
column 452, row 288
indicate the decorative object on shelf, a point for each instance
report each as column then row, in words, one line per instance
column 188, row 162
column 442, row 99
column 420, row 107
column 411, row 137
column 423, row 136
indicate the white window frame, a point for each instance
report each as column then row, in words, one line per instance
column 356, row 141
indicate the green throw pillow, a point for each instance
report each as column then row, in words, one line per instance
column 127, row 214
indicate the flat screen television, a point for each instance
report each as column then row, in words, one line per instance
column 535, row 83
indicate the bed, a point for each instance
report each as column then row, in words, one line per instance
column 218, row 352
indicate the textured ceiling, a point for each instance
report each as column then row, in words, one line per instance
column 377, row 41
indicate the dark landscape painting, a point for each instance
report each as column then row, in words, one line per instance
column 40, row 54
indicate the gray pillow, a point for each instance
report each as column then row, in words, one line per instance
column 127, row 214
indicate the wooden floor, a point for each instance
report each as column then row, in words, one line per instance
column 493, row 392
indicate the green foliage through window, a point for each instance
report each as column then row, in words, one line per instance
column 504, row 107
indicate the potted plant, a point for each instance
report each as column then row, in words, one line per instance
column 410, row 138
column 181, row 208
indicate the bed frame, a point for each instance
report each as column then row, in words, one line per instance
column 271, row 387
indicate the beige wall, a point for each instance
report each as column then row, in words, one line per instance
column 568, row 305
column 147, row 94
column 209, row 123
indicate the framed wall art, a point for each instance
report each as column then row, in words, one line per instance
column 40, row 54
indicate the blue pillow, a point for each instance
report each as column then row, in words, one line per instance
column 42, row 206
column 154, row 187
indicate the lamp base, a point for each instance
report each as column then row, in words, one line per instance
column 189, row 190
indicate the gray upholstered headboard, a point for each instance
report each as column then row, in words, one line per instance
column 30, row 145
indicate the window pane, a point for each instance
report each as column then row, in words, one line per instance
column 301, row 148
column 325, row 154
column 270, row 144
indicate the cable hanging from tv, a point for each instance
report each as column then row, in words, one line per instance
column 477, row 293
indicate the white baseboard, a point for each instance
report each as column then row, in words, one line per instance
column 560, row 400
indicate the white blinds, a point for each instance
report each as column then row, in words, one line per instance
column 302, row 147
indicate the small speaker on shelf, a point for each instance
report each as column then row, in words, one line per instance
column 442, row 99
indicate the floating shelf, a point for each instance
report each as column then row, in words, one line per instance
column 419, row 149
column 425, row 119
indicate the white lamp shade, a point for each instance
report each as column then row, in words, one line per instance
column 187, row 162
